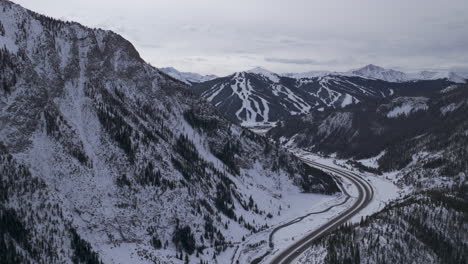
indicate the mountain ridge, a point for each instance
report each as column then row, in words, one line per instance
column 260, row 97
column 187, row 77
column 368, row 71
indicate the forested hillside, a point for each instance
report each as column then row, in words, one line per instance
column 428, row 227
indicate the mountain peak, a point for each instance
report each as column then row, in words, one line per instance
column 259, row 69
column 266, row 73
column 376, row 67
column 376, row 72
column 372, row 67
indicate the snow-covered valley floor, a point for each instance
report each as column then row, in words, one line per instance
column 384, row 189
column 257, row 245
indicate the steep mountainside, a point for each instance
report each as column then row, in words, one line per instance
column 103, row 153
column 423, row 134
column 429, row 227
column 33, row 226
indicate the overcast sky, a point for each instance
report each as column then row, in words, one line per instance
column 221, row 36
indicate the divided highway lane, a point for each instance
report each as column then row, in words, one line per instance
column 365, row 195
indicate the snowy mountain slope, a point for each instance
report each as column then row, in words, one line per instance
column 139, row 167
column 259, row 97
column 187, row 77
column 33, row 226
column 427, row 227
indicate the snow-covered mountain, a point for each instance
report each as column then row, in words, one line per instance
column 376, row 72
column 187, row 77
column 435, row 75
column 372, row 71
column 265, row 73
column 104, row 157
column 261, row 97
column 389, row 75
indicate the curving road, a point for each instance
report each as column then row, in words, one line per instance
column 365, row 195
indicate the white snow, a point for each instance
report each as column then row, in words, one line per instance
column 122, row 253
column 8, row 44
column 407, row 105
column 451, row 107
column 449, row 88
column 372, row 162
column 347, row 100
column 401, row 110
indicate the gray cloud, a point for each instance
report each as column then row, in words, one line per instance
column 300, row 61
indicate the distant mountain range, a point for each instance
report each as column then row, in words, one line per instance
column 370, row 71
column 260, row 97
column 390, row 75
column 187, row 77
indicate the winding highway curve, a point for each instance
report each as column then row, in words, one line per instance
column 365, row 195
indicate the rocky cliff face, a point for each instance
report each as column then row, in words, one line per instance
column 126, row 161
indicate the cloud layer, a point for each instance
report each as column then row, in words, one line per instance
column 210, row 36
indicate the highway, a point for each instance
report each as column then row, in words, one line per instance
column 365, row 195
